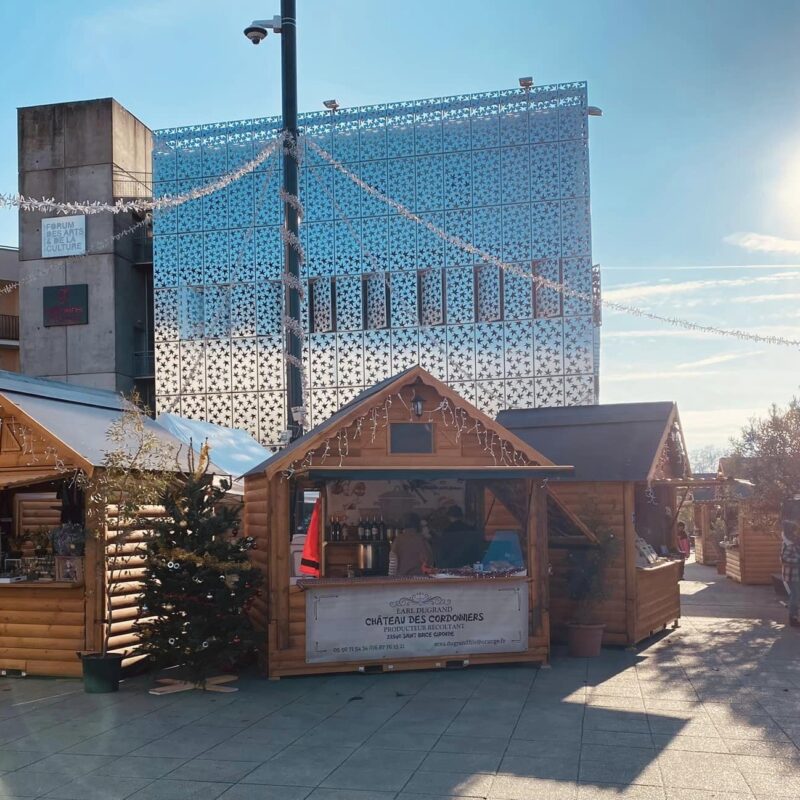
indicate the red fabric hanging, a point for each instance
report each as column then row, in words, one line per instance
column 309, row 562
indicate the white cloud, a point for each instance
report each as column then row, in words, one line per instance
column 624, row 377
column 722, row 358
column 665, row 290
column 765, row 298
column 606, row 334
column 763, row 243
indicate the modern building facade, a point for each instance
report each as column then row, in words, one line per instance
column 85, row 295
column 506, row 171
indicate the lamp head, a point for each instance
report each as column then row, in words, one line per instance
column 526, row 83
column 331, row 105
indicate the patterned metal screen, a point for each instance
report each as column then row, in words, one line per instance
column 507, row 171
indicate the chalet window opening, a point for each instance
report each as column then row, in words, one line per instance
column 412, row 438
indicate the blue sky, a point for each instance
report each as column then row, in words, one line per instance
column 695, row 165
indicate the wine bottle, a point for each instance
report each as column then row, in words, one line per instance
column 374, row 529
column 361, row 529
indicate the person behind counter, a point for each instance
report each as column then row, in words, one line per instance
column 459, row 544
column 411, row 550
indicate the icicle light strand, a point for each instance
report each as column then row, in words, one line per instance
column 50, row 206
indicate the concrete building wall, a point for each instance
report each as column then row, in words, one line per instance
column 74, row 152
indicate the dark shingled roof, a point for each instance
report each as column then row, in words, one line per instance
column 617, row 442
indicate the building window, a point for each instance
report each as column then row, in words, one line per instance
column 322, row 296
column 489, row 305
column 431, row 297
column 376, row 301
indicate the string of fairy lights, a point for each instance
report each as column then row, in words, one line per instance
column 291, row 326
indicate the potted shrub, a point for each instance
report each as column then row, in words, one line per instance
column 587, row 588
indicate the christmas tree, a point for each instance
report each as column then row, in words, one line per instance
column 198, row 580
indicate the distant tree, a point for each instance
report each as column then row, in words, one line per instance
column 774, row 442
column 706, row 459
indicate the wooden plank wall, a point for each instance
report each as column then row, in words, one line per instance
column 604, row 504
column 42, row 628
column 658, row 599
column 759, row 551
column 733, row 563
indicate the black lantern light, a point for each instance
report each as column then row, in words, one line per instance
column 417, row 405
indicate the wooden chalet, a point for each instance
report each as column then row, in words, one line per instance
column 753, row 552
column 630, row 478
column 53, row 607
column 408, row 444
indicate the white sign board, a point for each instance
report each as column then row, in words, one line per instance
column 373, row 623
column 63, row 236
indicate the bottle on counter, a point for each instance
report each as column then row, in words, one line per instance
column 374, row 536
column 361, row 529
column 382, row 530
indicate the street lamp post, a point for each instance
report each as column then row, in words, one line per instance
column 286, row 25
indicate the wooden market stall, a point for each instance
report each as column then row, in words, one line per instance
column 753, row 548
column 412, row 478
column 704, row 509
column 53, row 576
column 630, row 477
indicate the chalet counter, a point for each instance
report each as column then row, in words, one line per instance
column 658, row 598
column 391, row 624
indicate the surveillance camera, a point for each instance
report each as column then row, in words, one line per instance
column 255, row 33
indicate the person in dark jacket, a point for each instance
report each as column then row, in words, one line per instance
column 459, row 544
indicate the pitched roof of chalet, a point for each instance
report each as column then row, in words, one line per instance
column 343, row 417
column 79, row 418
column 615, row 442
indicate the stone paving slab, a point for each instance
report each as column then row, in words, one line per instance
column 709, row 711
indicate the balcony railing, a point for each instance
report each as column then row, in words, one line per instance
column 9, row 327
column 144, row 364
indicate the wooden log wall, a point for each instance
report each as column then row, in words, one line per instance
column 601, row 504
column 125, row 552
column 42, row 628
column 255, row 516
column 36, row 511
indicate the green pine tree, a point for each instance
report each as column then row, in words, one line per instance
column 198, row 580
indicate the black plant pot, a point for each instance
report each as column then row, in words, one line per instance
column 101, row 674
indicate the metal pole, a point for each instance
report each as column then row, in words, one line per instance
column 294, row 385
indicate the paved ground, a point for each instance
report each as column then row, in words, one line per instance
column 710, row 711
